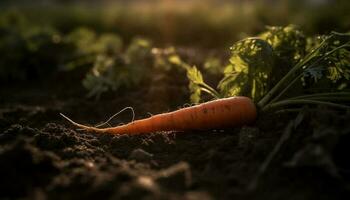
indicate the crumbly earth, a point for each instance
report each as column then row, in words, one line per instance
column 44, row 157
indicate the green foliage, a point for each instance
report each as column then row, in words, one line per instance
column 197, row 85
column 196, row 80
column 113, row 71
column 329, row 66
column 258, row 63
column 289, row 46
column 167, row 59
column 30, row 51
column 34, row 52
column 248, row 73
column 282, row 68
column 323, row 71
column 88, row 46
column 108, row 74
column 287, row 42
column 249, row 70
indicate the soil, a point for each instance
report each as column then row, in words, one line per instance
column 43, row 157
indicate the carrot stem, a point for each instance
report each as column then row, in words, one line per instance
column 323, row 94
column 210, row 90
column 302, row 101
column 286, row 88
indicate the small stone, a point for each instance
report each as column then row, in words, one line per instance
column 140, row 155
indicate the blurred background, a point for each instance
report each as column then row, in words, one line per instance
column 117, row 45
column 200, row 23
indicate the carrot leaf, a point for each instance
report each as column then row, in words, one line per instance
column 249, row 70
column 324, row 70
column 197, row 85
column 287, row 42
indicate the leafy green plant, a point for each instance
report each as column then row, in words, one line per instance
column 287, row 42
column 110, row 72
column 254, row 70
column 29, row 51
column 113, row 71
column 88, row 45
column 328, row 62
column 289, row 46
column 166, row 59
column 249, row 70
column 197, row 85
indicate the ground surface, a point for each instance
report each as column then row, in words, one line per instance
column 43, row 156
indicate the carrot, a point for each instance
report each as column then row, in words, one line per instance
column 221, row 113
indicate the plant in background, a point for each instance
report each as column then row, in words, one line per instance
column 88, row 45
column 113, row 71
column 29, row 51
column 167, row 59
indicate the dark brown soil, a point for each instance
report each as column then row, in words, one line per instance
column 44, row 157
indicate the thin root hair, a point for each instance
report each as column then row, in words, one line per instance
column 113, row 116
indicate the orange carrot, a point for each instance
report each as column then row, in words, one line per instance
column 221, row 113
